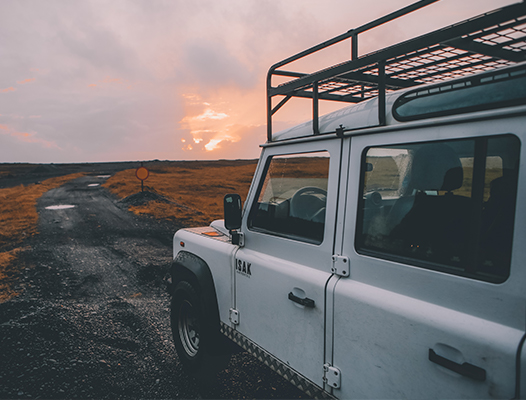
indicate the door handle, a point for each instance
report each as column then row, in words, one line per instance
column 466, row 369
column 304, row 302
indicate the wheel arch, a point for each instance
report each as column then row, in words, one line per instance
column 189, row 267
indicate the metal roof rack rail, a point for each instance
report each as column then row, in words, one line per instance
column 491, row 40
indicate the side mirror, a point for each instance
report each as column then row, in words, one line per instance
column 232, row 211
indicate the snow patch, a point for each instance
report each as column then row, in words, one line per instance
column 60, row 207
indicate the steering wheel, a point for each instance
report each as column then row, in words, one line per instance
column 308, row 203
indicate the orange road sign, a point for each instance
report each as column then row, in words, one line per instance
column 142, row 173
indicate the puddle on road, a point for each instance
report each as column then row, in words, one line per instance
column 60, row 207
column 94, row 184
column 103, row 176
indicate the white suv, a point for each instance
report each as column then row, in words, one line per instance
column 381, row 249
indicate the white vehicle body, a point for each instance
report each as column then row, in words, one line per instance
column 407, row 278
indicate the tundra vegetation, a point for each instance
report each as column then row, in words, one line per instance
column 192, row 195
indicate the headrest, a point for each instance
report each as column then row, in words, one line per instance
column 436, row 167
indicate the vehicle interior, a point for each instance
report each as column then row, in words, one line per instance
column 442, row 205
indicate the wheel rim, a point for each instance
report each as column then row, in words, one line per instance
column 187, row 327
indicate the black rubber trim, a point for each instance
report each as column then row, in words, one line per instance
column 518, row 369
column 193, row 269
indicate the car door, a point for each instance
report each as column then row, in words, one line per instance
column 434, row 306
column 282, row 270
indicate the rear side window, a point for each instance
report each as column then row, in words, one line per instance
column 479, row 92
column 447, row 205
column 292, row 197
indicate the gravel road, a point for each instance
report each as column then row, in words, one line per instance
column 93, row 318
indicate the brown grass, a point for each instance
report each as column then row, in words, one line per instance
column 8, row 270
column 18, row 220
column 18, row 213
column 196, row 190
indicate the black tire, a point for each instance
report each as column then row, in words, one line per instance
column 195, row 341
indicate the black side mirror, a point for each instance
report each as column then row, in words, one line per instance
column 232, row 210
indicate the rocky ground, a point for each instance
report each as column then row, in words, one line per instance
column 93, row 317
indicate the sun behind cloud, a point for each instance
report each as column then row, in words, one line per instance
column 207, row 126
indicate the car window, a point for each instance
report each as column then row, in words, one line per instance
column 292, row 197
column 445, row 205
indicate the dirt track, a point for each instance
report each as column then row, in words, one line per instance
column 93, row 319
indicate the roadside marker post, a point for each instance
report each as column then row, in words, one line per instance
column 142, row 174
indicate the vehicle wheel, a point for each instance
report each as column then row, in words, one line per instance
column 193, row 338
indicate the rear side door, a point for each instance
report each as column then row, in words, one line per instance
column 281, row 272
column 434, row 305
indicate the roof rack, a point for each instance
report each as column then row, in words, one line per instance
column 491, row 40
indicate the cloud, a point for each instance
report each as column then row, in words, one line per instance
column 206, row 125
column 208, row 65
column 27, row 137
column 107, row 81
column 135, row 79
column 28, row 80
column 245, row 142
column 207, row 115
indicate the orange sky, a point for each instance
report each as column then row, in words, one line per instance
column 140, row 80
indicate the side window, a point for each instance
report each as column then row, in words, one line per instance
column 292, row 197
column 446, row 205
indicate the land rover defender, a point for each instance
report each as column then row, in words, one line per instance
column 381, row 249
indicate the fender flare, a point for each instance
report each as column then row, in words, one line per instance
column 189, row 267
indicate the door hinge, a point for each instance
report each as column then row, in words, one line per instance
column 332, row 376
column 238, row 238
column 234, row 316
column 340, row 265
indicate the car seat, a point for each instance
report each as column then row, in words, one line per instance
column 425, row 223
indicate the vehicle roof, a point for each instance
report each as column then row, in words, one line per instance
column 355, row 116
column 373, row 82
column 365, row 114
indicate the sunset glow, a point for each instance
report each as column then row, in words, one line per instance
column 26, row 137
column 136, row 80
column 26, row 81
